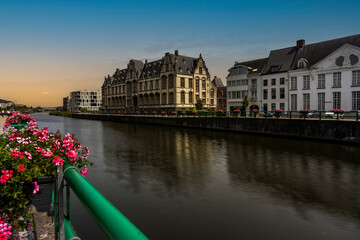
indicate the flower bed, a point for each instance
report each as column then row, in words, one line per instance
column 27, row 154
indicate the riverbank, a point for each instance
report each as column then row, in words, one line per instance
column 345, row 132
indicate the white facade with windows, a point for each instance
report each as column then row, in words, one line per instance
column 91, row 100
column 332, row 83
column 274, row 91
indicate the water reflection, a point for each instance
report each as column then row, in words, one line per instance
column 177, row 183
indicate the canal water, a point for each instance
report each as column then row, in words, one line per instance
column 178, row 183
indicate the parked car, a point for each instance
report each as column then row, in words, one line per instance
column 314, row 114
column 268, row 114
column 330, row 114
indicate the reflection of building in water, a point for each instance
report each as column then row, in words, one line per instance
column 176, row 160
column 301, row 175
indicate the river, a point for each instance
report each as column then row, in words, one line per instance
column 178, row 183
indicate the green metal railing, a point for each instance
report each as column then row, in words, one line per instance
column 110, row 220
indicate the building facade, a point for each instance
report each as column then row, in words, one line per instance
column 244, row 79
column 319, row 76
column 91, row 100
column 172, row 83
column 220, row 94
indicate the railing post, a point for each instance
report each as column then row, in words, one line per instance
column 290, row 114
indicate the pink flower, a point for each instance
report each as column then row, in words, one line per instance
column 5, row 230
column 58, row 161
column 36, row 187
column 21, row 168
column 7, row 174
column 85, row 171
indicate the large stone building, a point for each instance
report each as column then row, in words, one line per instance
column 318, row 76
column 172, row 83
column 91, row 100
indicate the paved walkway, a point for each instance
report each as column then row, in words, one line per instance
column 2, row 121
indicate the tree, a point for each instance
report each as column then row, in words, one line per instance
column 245, row 102
column 199, row 104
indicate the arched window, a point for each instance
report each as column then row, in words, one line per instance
column 163, row 82
column 164, row 102
column 171, row 98
column 171, row 81
column 197, row 85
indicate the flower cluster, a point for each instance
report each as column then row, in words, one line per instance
column 278, row 111
column 338, row 111
column 27, row 154
column 255, row 110
column 237, row 110
column 5, row 230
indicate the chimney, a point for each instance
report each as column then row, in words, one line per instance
column 177, row 52
column 300, row 43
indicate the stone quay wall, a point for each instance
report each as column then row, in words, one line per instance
column 342, row 131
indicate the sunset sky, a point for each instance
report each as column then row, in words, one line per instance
column 49, row 48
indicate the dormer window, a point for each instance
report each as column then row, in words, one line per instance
column 274, row 69
column 302, row 63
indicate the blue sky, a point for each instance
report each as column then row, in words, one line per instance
column 76, row 43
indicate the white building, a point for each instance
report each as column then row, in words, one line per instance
column 244, row 80
column 326, row 76
column 91, row 100
column 319, row 76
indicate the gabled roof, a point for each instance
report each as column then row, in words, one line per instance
column 151, row 69
column 217, row 82
column 315, row 52
column 184, row 64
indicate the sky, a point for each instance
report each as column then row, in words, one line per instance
column 50, row 48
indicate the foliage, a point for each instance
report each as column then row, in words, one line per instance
column 245, row 102
column 59, row 113
column 304, row 111
column 83, row 109
column 199, row 105
column 27, row 154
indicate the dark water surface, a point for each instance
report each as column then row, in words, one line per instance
column 177, row 183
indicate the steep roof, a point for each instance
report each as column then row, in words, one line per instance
column 217, row 82
column 315, row 52
column 151, row 69
column 184, row 64
column 281, row 59
column 256, row 65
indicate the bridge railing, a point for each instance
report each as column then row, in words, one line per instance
column 110, row 220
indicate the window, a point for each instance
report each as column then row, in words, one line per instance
column 356, row 100
column 274, row 69
column 273, row 106
column 197, row 85
column 356, row 78
column 253, row 83
column 212, row 93
column 203, row 84
column 265, row 94
column 282, row 93
column 164, row 99
column 321, row 101
column 182, row 82
column 293, row 102
column 321, row 81
column 200, row 70
column 145, row 86
column 233, row 95
column 306, row 101
column 171, row 98
column 301, row 64
column 183, row 96
column 190, row 97
column 306, row 82
column 190, row 83
column 140, row 87
column 265, row 82
column 336, row 100
column 293, row 83
column 171, row 81
column 265, row 106
column 273, row 93
column 197, row 97
column 163, row 85
column 157, row 85
column 282, row 106
column 273, row 81
column 282, row 81
column 336, row 79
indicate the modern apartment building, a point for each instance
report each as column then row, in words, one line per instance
column 91, row 100
column 318, row 76
column 172, row 83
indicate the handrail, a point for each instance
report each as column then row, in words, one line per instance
column 109, row 219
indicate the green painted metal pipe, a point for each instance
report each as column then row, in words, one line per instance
column 110, row 220
column 69, row 231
